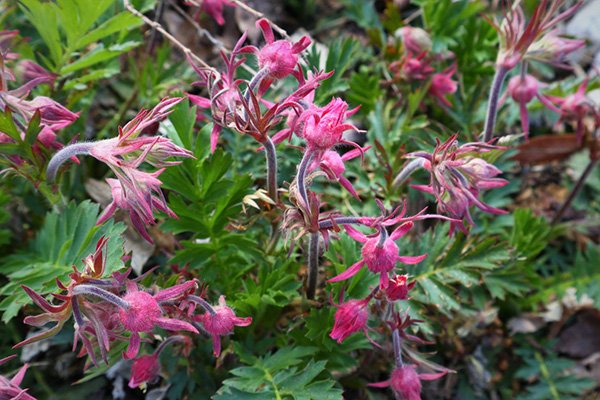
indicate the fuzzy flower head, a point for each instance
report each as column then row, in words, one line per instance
column 322, row 127
column 458, row 177
column 332, row 164
column 220, row 321
column 520, row 38
column 410, row 68
column 350, row 317
column 143, row 313
column 405, row 382
column 278, row 57
column 379, row 253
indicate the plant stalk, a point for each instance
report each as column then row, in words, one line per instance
column 313, row 265
column 271, row 155
column 492, row 111
column 575, row 191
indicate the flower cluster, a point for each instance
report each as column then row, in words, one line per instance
column 416, row 65
column 117, row 308
column 10, row 388
column 457, row 179
column 135, row 191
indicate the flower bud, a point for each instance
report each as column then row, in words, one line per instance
column 350, row 317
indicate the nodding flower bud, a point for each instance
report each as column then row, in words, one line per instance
column 442, row 85
column 416, row 40
column 322, row 127
column 278, row 57
column 145, row 369
column 220, row 321
column 406, row 382
column 350, row 317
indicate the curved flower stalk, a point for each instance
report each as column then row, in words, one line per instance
column 521, row 40
column 11, row 388
column 458, row 177
column 135, row 191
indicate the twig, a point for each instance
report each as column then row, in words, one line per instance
column 575, row 191
column 166, row 34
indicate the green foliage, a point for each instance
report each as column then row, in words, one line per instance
column 549, row 376
column 63, row 241
column 283, row 375
column 69, row 27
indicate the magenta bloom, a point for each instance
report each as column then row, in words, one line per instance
column 144, row 313
column 220, row 321
column 457, row 177
column 442, row 85
column 523, row 90
column 214, row 8
column 322, row 127
column 278, row 57
column 350, row 317
column 332, row 164
column 10, row 388
column 406, row 382
column 145, row 369
column 31, row 71
column 380, row 253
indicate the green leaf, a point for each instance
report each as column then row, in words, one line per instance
column 98, row 55
column 121, row 22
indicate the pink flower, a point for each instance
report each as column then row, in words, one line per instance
column 214, row 8
column 416, row 40
column 144, row 313
column 10, row 388
column 379, row 253
column 220, row 321
column 278, row 57
column 575, row 107
column 519, row 38
column 398, row 288
column 523, row 89
column 350, row 317
column 332, row 164
column 145, row 369
column 442, row 85
column 322, row 127
column 411, row 68
column 552, row 48
column 457, row 177
column 31, row 71
column 406, row 382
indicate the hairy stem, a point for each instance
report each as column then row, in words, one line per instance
column 397, row 344
column 407, row 171
column 313, row 265
column 75, row 149
column 490, row 118
column 328, row 223
column 301, row 177
column 202, row 303
column 101, row 294
column 168, row 341
column 271, row 156
column 575, row 191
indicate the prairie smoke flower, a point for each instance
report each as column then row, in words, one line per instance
column 135, row 191
column 412, row 68
column 457, row 177
column 31, row 70
column 523, row 89
column 220, row 321
column 332, row 164
column 350, row 317
column 143, row 313
column 406, row 382
column 574, row 107
column 442, row 85
column 416, row 40
column 277, row 58
column 214, row 8
column 398, row 288
column 552, row 48
column 520, row 39
column 322, row 127
column 379, row 253
column 10, row 388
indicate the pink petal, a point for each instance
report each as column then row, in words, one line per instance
column 349, row 273
column 171, row 324
column 134, row 346
column 354, row 234
column 412, row 259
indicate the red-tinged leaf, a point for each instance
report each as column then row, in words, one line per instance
column 42, row 335
column 547, row 148
column 42, row 302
